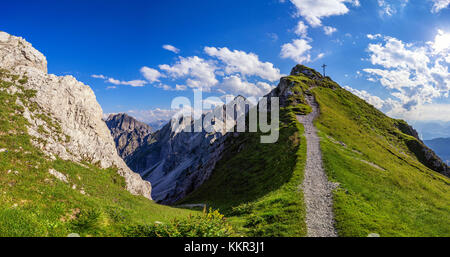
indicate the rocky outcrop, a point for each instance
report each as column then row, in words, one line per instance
column 66, row 119
column 128, row 133
column 423, row 153
column 407, row 129
column 178, row 162
column 310, row 73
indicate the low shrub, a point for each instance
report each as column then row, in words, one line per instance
column 209, row 224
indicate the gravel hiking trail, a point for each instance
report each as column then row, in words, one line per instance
column 317, row 189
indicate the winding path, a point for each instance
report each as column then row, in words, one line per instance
column 317, row 189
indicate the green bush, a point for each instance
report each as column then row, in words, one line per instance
column 210, row 224
column 87, row 220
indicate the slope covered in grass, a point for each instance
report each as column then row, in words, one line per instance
column 33, row 202
column 384, row 188
column 258, row 184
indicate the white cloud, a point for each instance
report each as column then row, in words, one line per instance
column 150, row 74
column 99, row 76
column 372, row 37
column 314, row 10
column 413, row 74
column 235, row 85
column 222, row 70
column 212, row 102
column 371, row 99
column 200, row 73
column 393, row 108
column 298, row 51
column 427, row 112
column 319, row 56
column 386, row 8
column 301, row 29
column 391, row 7
column 247, row 64
column 441, row 43
column 153, row 115
column 438, row 5
column 180, row 87
column 169, row 88
column 171, row 48
column 329, row 30
column 133, row 83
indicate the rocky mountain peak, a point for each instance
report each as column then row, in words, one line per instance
column 308, row 72
column 17, row 52
column 125, row 122
column 128, row 133
column 65, row 119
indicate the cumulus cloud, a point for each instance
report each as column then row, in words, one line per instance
column 171, row 48
column 329, row 30
column 235, row 85
column 150, row 74
column 222, row 70
column 247, row 64
column 199, row 72
column 298, row 51
column 441, row 44
column 413, row 74
column 314, row 10
column 301, row 29
column 438, row 5
column 133, row 83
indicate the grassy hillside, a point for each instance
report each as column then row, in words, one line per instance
column 384, row 188
column 33, row 202
column 257, row 185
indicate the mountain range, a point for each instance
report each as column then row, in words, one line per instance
column 339, row 164
column 369, row 155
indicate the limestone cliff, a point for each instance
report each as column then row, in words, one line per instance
column 65, row 119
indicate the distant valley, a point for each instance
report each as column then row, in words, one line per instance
column 442, row 148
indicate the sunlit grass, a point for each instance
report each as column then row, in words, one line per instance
column 34, row 203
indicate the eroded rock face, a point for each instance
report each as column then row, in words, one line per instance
column 128, row 133
column 178, row 162
column 423, row 153
column 67, row 120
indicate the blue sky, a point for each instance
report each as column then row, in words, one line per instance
column 393, row 53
